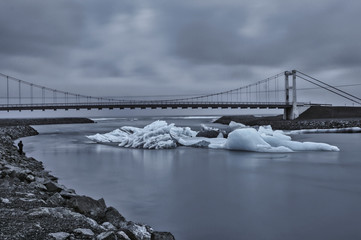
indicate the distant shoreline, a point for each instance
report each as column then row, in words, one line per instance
column 317, row 117
column 42, row 121
column 277, row 123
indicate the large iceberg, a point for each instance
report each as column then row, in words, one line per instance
column 157, row 135
column 161, row 135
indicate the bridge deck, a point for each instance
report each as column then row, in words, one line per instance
column 142, row 105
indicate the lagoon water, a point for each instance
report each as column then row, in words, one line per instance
column 212, row 194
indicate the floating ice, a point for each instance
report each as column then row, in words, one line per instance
column 207, row 128
column 248, row 139
column 278, row 139
column 156, row 135
column 160, row 135
column 234, row 125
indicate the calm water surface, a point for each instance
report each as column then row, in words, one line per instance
column 212, row 194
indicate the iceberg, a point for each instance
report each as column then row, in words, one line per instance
column 161, row 135
column 249, row 139
column 278, row 138
column 234, row 125
column 157, row 135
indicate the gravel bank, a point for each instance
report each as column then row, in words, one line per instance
column 34, row 206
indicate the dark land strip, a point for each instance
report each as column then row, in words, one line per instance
column 42, row 121
column 314, row 118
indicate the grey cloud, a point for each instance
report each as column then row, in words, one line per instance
column 145, row 47
column 39, row 28
column 307, row 34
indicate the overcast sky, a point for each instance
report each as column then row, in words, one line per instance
column 161, row 47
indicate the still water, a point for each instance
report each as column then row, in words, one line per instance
column 212, row 194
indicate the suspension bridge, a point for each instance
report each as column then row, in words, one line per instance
column 275, row 92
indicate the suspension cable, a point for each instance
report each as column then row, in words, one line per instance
column 330, row 86
column 319, row 85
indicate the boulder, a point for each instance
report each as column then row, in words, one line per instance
column 68, row 193
column 113, row 216
column 5, row 200
column 56, row 199
column 53, row 186
column 122, row 236
column 88, row 206
column 39, row 186
column 107, row 236
column 59, row 235
column 162, row 236
column 30, row 178
column 136, row 231
column 208, row 133
column 108, row 226
column 83, row 232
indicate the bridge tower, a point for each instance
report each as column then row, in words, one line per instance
column 290, row 113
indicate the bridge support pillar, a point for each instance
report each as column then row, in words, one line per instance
column 292, row 112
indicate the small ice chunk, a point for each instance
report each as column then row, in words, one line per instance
column 278, row 138
column 235, row 125
column 208, row 128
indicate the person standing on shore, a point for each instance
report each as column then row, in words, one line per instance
column 20, row 145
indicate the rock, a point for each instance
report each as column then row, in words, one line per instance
column 44, row 211
column 16, row 172
column 84, row 232
column 88, row 206
column 40, row 180
column 39, row 186
column 107, row 236
column 68, row 193
column 59, row 235
column 34, row 200
column 61, row 212
column 136, row 231
column 208, row 133
column 30, row 178
column 113, row 216
column 56, row 199
column 53, row 186
column 122, row 236
column 108, row 226
column 162, row 236
column 5, row 200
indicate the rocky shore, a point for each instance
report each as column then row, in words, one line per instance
column 33, row 205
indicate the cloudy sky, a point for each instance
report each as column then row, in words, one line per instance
column 163, row 47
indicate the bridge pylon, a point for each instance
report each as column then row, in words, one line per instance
column 292, row 112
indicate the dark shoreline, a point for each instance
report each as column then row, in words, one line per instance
column 277, row 123
column 315, row 117
column 34, row 206
column 42, row 121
